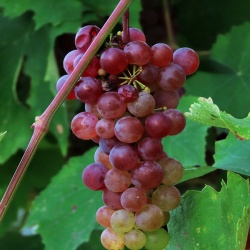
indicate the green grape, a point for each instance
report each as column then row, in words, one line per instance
column 135, row 239
column 122, row 221
column 157, row 240
column 112, row 240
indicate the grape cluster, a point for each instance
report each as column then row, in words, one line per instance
column 131, row 92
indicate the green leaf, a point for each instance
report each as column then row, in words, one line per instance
column 19, row 49
column 47, row 11
column 2, row 134
column 36, row 178
column 66, row 207
column 233, row 154
column 230, row 90
column 188, row 147
column 211, row 220
column 206, row 112
column 193, row 27
column 194, row 172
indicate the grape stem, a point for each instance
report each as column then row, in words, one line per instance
column 169, row 27
column 125, row 27
column 41, row 124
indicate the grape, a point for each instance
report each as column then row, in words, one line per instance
column 105, row 128
column 92, row 108
column 157, row 240
column 164, row 98
column 110, row 105
column 122, row 221
column 128, row 129
column 83, row 125
column 134, row 199
column 135, row 239
column 88, row 90
column 178, row 120
column 117, row 180
column 173, row 170
column 92, row 68
column 148, row 77
column 157, row 126
column 187, row 58
column 112, row 199
column 93, row 176
column 113, row 61
column 138, row 52
column 166, row 197
column 103, row 215
column 150, row 218
column 124, row 156
column 61, row 81
column 107, row 144
column 150, row 149
column 162, row 55
column 112, row 240
column 142, row 106
column 128, row 93
column 147, row 175
column 171, row 77
column 68, row 61
column 135, row 35
column 85, row 36
column 101, row 157
column 166, row 218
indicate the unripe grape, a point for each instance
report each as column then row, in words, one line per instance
column 112, row 240
column 135, row 239
column 157, row 240
column 122, row 221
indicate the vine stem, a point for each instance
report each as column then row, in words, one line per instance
column 41, row 124
column 169, row 26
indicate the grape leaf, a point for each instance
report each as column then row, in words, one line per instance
column 189, row 146
column 229, row 90
column 2, row 134
column 45, row 11
column 233, row 154
column 36, row 178
column 66, row 207
column 203, row 35
column 206, row 112
column 211, row 220
column 194, row 172
column 14, row 48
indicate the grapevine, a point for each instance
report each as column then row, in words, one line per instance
column 131, row 92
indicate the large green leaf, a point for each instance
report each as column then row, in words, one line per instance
column 233, row 154
column 212, row 220
column 24, row 47
column 189, row 146
column 55, row 12
column 199, row 22
column 36, row 178
column 206, row 112
column 230, row 91
column 64, row 213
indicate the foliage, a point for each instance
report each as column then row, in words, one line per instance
column 52, row 209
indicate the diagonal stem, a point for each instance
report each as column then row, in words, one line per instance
column 42, row 122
